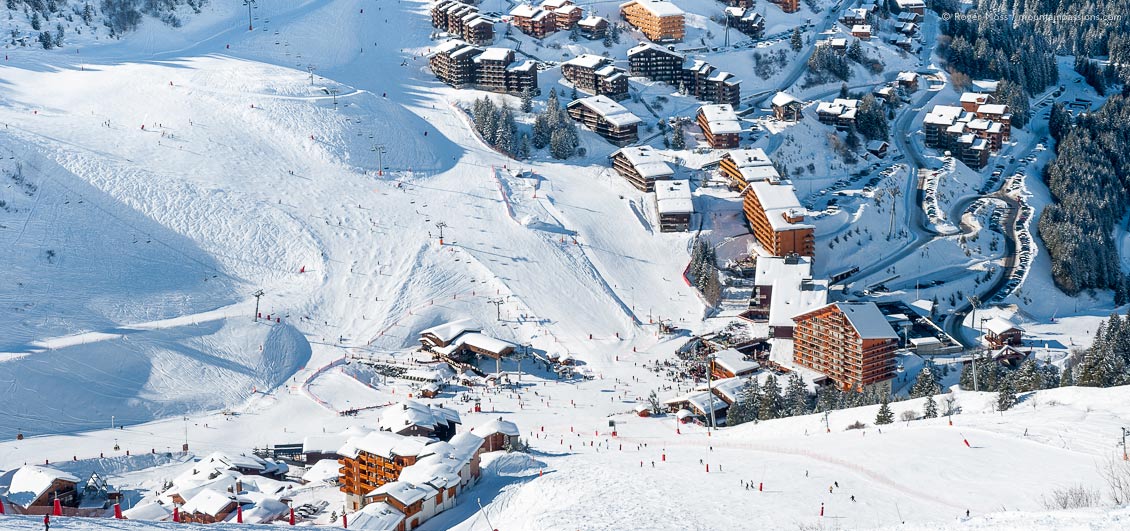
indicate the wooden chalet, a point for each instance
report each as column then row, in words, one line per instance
column 777, row 219
column 707, row 83
column 861, row 32
column 1001, row 332
column 908, row 81
column 534, row 21
column 656, row 63
column 641, row 166
column 675, row 205
column 596, row 75
column 746, row 20
column 208, row 507
column 453, row 62
column 786, row 107
column 372, row 460
column 606, row 118
column 593, row 27
column 744, row 166
column 730, row 363
column 33, row 489
column 720, row 126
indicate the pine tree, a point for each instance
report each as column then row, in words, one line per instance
column 770, row 407
column 1066, row 380
column 855, row 52
column 744, row 409
column 1006, row 397
column 926, row 384
column 35, row 22
column 797, row 40
column 527, row 101
column 885, row 416
column 796, row 396
column 1028, row 377
column 931, row 407
column 524, row 146
column 677, row 139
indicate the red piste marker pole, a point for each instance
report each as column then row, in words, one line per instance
column 117, row 511
column 239, row 514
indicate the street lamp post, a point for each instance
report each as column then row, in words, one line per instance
column 973, row 361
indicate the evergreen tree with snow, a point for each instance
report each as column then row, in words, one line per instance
column 1066, row 379
column 855, row 52
column 926, row 384
column 770, row 406
column 796, row 396
column 1027, row 377
column 677, row 139
column 527, row 101
column 797, row 40
column 885, row 415
column 744, row 409
column 523, row 146
column 931, row 408
column 542, row 131
column 1006, row 397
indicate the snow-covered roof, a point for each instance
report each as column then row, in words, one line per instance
column 404, row 492
column 778, row 200
column 643, row 46
column 149, row 511
column 450, row 45
column 378, row 516
column 611, row 111
column 792, row 297
column 999, row 325
column 466, row 442
column 30, row 482
column 525, row 11
column 704, row 400
column 861, row 28
column 753, row 164
column 495, row 54
column 384, row 443
column 674, row 197
column 993, row 108
column 659, row 8
column 591, row 21
column 495, row 425
column 721, row 119
column 735, row 362
column 587, row 60
column 877, row 145
column 730, row 388
column 412, row 413
column 484, row 342
column 567, row 10
column 907, row 76
column 783, row 98
column 208, row 501
column 911, row 4
column 943, row 115
column 329, row 443
column 446, row 332
column 554, row 4
column 974, row 97
column 648, row 162
column 985, row 85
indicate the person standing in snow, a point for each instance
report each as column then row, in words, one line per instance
column 47, row 521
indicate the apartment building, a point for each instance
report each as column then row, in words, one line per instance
column 659, row 20
column 656, row 63
column 642, row 166
column 849, row 342
column 596, row 75
column 707, row 83
column 720, row 125
column 777, row 219
column 606, row 118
